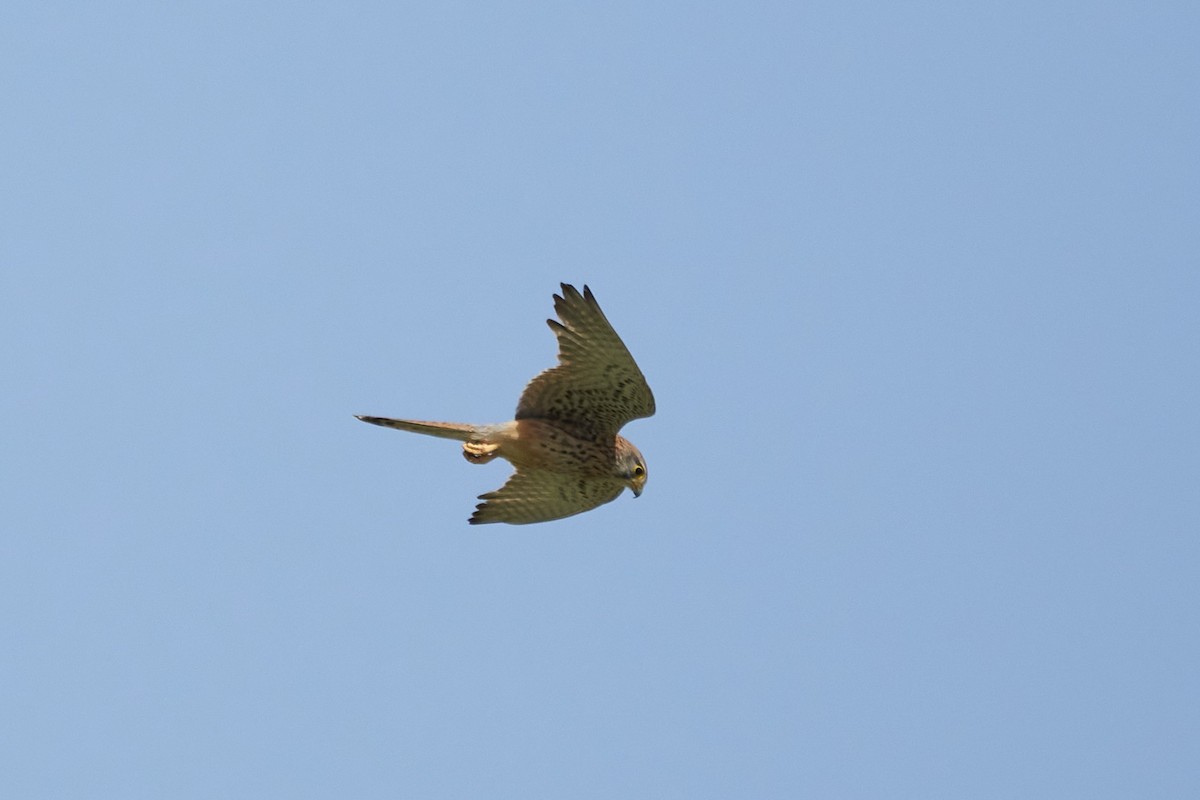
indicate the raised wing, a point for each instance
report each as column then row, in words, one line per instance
column 540, row 495
column 597, row 386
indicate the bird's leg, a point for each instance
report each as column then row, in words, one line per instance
column 479, row 452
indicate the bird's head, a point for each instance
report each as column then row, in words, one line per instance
column 631, row 467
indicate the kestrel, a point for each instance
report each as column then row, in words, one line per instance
column 564, row 441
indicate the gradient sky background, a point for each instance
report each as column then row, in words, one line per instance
column 916, row 287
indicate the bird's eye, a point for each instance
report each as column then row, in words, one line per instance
column 639, row 471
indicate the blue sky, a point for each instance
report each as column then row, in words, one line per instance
column 916, row 287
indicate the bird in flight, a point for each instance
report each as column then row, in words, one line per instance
column 563, row 442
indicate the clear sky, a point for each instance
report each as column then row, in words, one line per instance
column 916, row 287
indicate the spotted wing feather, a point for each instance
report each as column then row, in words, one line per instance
column 541, row 495
column 597, row 386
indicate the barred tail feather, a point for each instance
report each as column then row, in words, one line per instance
column 446, row 430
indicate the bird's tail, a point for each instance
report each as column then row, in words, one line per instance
column 446, row 430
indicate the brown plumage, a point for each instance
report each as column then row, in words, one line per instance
column 563, row 442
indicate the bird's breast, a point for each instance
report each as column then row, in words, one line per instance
column 538, row 444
